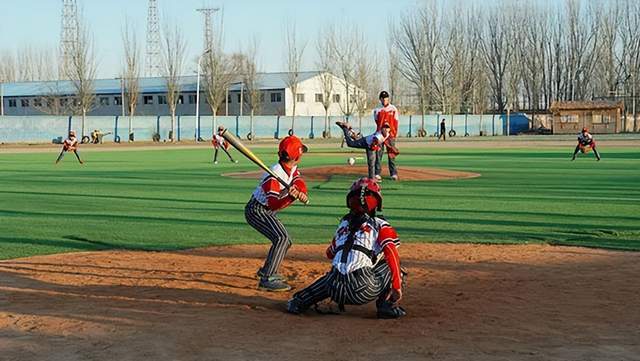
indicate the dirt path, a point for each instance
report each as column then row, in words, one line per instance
column 465, row 302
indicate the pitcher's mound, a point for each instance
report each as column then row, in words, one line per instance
column 406, row 173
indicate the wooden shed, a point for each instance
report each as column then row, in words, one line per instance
column 600, row 116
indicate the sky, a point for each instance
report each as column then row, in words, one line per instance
column 36, row 23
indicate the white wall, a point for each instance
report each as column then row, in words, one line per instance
column 310, row 107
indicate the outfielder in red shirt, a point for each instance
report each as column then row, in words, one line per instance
column 267, row 200
column 387, row 114
column 218, row 143
column 364, row 257
column 70, row 145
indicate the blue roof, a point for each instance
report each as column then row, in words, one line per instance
column 147, row 85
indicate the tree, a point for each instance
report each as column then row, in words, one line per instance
column 295, row 50
column 81, row 71
column 252, row 94
column 131, row 73
column 496, row 52
column 219, row 71
column 344, row 44
column 324, row 64
column 173, row 64
column 363, row 80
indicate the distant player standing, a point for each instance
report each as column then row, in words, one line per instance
column 443, row 131
column 585, row 141
column 269, row 198
column 386, row 114
column 364, row 257
column 70, row 145
column 219, row 142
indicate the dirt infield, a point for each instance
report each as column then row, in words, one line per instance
column 465, row 302
column 406, row 173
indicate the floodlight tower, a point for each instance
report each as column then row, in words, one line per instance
column 68, row 34
column 208, row 25
column 152, row 61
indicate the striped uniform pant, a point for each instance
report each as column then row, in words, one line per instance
column 266, row 222
column 356, row 288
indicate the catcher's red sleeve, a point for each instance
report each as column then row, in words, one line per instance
column 393, row 260
column 331, row 250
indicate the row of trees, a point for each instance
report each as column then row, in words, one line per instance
column 515, row 55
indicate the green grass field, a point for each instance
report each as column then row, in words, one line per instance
column 174, row 199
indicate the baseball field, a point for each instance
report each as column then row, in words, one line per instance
column 513, row 251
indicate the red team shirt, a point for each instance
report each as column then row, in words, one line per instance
column 70, row 144
column 388, row 114
column 273, row 194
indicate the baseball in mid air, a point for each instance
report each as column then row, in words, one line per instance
column 351, row 161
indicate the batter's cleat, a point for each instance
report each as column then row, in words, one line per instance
column 295, row 306
column 378, row 178
column 235, row 161
column 215, row 162
column 272, row 284
column 395, row 177
column 386, row 310
column 260, row 275
column 81, row 162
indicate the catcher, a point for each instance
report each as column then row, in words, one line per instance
column 372, row 143
column 585, row 144
column 219, row 142
column 365, row 261
column 70, row 145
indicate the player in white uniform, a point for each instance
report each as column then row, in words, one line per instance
column 70, row 145
column 365, row 260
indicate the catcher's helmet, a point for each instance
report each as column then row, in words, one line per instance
column 364, row 196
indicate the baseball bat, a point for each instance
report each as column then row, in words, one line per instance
column 236, row 143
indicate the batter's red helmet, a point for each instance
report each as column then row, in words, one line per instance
column 364, row 196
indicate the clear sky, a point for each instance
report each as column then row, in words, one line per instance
column 37, row 23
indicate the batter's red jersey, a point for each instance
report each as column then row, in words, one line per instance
column 389, row 115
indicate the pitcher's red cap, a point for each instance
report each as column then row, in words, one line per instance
column 293, row 146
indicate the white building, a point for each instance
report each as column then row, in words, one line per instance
column 28, row 98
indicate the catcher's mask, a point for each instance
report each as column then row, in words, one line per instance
column 364, row 196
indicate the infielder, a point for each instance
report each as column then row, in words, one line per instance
column 70, row 145
column 267, row 200
column 372, row 143
column 219, row 142
column 365, row 260
column 387, row 114
column 585, row 141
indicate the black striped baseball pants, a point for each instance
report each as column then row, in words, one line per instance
column 356, row 288
column 266, row 222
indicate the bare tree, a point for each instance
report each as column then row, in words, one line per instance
column 629, row 57
column 496, row 52
column 81, row 71
column 219, row 72
column 295, row 50
column 344, row 44
column 250, row 82
column 173, row 65
column 363, row 81
column 324, row 64
column 131, row 73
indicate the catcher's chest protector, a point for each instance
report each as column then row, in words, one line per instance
column 359, row 248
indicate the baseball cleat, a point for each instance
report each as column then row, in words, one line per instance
column 386, row 310
column 295, row 306
column 215, row 162
column 279, row 277
column 343, row 124
column 235, row 161
column 271, row 284
column 395, row 177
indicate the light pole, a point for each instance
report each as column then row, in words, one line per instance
column 195, row 136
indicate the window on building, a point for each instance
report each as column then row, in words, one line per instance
column 300, row 98
column 24, row 103
column 261, row 97
column 229, row 99
column 147, row 99
column 336, row 98
column 600, row 118
column 118, row 101
column 162, row 99
column 318, row 98
column 104, row 101
column 64, row 102
column 192, row 98
column 276, row 97
column 572, row 118
column 12, row 103
column 50, row 103
column 238, row 97
column 37, row 102
column 180, row 99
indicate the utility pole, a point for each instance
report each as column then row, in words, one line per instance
column 68, row 34
column 208, row 26
column 152, row 61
